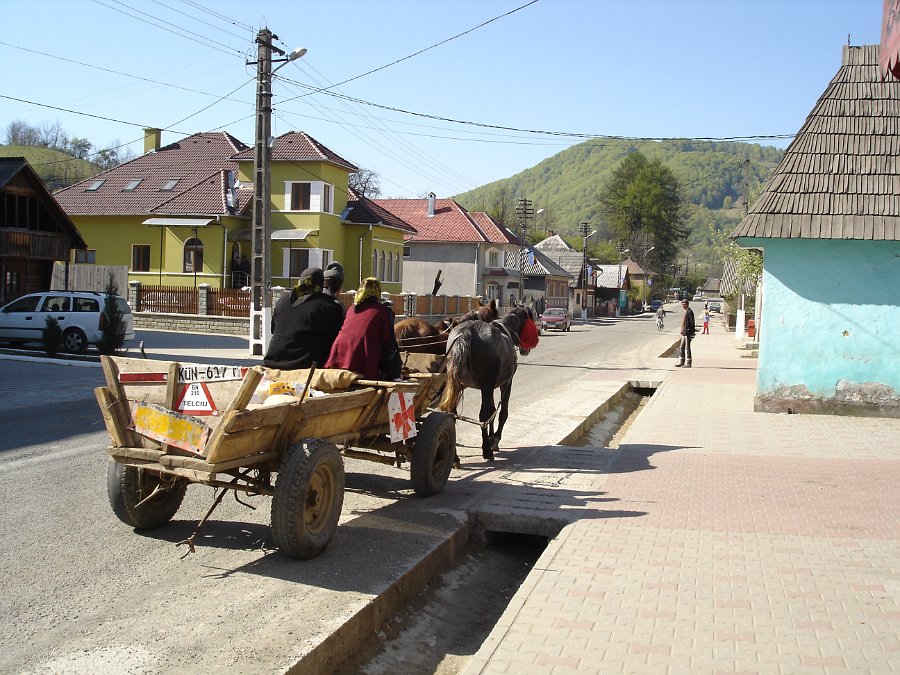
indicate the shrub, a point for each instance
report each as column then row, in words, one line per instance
column 113, row 327
column 52, row 337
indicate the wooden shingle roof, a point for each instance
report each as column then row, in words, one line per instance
column 840, row 177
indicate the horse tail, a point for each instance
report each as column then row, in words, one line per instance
column 455, row 359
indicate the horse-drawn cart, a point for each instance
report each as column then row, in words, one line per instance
column 173, row 424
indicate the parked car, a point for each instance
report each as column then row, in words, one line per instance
column 715, row 306
column 557, row 317
column 653, row 305
column 697, row 297
column 80, row 315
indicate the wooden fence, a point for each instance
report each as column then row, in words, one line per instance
column 234, row 302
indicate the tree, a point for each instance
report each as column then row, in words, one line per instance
column 642, row 205
column 365, row 183
column 113, row 327
column 20, row 132
column 502, row 206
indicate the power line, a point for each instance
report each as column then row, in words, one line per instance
column 437, row 44
column 170, row 27
column 545, row 132
column 199, row 20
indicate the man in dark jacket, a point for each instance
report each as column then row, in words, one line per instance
column 688, row 330
column 305, row 323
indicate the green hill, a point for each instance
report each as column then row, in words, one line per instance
column 567, row 185
column 56, row 169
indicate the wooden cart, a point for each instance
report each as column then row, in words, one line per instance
column 172, row 424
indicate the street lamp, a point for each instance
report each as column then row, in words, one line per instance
column 619, row 284
column 261, row 277
column 584, row 237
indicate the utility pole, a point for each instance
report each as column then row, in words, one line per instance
column 261, row 275
column 261, row 239
column 524, row 211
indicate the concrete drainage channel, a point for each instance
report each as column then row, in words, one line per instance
column 436, row 617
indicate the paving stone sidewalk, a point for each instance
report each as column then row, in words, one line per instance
column 719, row 540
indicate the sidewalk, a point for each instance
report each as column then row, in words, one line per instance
column 716, row 539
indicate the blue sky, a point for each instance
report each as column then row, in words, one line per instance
column 673, row 68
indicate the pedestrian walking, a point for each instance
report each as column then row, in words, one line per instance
column 688, row 330
column 705, row 322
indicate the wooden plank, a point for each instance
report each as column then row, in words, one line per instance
column 199, row 464
column 146, row 454
column 238, row 402
column 242, row 445
column 115, row 419
column 111, row 373
column 171, row 427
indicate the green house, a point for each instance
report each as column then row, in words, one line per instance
column 180, row 214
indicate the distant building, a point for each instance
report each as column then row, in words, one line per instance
column 828, row 222
column 34, row 231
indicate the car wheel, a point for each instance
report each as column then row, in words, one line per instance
column 75, row 341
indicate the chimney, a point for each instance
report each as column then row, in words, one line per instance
column 152, row 139
column 430, row 213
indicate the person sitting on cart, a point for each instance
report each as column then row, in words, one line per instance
column 305, row 323
column 367, row 344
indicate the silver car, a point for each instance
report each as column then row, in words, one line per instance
column 80, row 314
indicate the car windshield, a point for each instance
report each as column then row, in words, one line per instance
column 553, row 312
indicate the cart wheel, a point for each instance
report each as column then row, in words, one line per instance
column 433, row 454
column 127, row 486
column 308, row 498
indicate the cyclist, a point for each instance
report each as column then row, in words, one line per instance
column 660, row 314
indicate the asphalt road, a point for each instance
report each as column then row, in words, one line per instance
column 85, row 593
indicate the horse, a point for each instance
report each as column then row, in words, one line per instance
column 482, row 356
column 415, row 335
column 418, row 336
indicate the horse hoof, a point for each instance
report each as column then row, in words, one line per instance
column 489, row 456
column 456, row 463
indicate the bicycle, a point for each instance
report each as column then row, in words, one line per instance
column 659, row 323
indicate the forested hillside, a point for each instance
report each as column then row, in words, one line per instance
column 56, row 168
column 566, row 186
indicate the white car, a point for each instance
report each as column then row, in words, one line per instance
column 80, row 315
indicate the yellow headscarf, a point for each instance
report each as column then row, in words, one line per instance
column 371, row 288
column 311, row 281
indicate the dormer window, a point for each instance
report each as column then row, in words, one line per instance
column 170, row 185
column 132, row 185
column 93, row 187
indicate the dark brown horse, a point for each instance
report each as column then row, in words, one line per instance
column 418, row 336
column 482, row 356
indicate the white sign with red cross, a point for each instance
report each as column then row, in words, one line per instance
column 402, row 415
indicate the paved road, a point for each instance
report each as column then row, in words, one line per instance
column 90, row 592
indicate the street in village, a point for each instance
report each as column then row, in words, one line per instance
column 90, row 590
column 708, row 537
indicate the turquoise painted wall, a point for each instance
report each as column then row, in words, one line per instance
column 831, row 313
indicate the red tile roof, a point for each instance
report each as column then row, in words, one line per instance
column 364, row 211
column 450, row 222
column 493, row 231
column 298, row 146
column 196, row 161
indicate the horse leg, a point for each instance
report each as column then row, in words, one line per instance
column 487, row 429
column 505, row 392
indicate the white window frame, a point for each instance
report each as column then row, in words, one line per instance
column 489, row 260
column 321, row 196
column 318, row 257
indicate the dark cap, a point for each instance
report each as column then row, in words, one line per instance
column 334, row 271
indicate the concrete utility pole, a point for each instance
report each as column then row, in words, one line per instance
column 261, row 239
column 261, row 275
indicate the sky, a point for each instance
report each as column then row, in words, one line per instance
column 432, row 95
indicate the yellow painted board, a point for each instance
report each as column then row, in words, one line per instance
column 169, row 427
